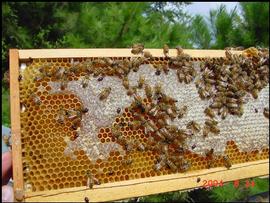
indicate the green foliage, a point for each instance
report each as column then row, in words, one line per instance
column 251, row 28
column 200, row 33
column 5, row 108
column 168, row 197
column 256, row 23
column 222, row 24
column 229, row 193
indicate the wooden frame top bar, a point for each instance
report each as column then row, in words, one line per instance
column 81, row 53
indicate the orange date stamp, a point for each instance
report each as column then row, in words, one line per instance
column 219, row 183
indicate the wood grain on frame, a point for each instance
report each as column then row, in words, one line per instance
column 15, row 123
column 77, row 53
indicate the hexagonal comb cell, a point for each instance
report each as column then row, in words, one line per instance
column 51, row 122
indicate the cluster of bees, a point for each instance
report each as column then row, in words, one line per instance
column 226, row 81
column 166, row 139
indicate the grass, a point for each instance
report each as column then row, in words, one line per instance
column 218, row 194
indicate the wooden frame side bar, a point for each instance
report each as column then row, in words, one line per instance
column 153, row 185
column 25, row 54
column 15, row 124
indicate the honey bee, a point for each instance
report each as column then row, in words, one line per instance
column 98, row 71
column 83, row 109
column 160, row 136
column 108, row 61
column 38, row 77
column 168, row 100
column 150, row 141
column 237, row 111
column 209, row 153
column 136, row 63
column 72, row 114
column 232, row 105
column 185, row 166
column 141, row 81
column 61, row 115
column 203, row 93
column 206, row 131
column 105, row 93
column 173, row 129
column 135, row 125
column 224, row 112
column 20, row 77
column 85, row 81
column 153, row 125
column 148, row 128
column 158, row 166
column 194, row 126
column 45, row 69
column 100, row 78
column 182, row 112
column 227, row 162
column 166, row 134
column 153, row 111
column 158, row 69
column 193, row 146
column 116, row 131
column 63, row 83
column 125, row 83
column 148, row 91
column 179, row 50
column 180, row 75
column 91, row 180
column 188, row 79
column 209, row 112
column 137, row 48
column 147, row 54
column 128, row 161
column 165, row 68
column 76, row 123
column 129, row 145
column 60, row 71
column 216, row 105
column 139, row 146
column 158, row 89
column 131, row 91
column 171, row 165
column 170, row 112
column 110, row 172
column 118, row 110
column 210, row 122
column 266, row 112
column 254, row 93
column 100, row 62
column 86, row 200
column 198, row 180
column 35, row 98
column 166, row 50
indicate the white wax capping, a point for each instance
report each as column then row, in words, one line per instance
column 249, row 131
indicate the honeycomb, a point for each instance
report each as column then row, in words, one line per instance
column 44, row 141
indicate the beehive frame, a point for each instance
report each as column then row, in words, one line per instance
column 122, row 189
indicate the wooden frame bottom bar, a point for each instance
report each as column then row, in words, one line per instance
column 153, row 185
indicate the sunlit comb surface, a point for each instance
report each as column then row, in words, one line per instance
column 60, row 142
